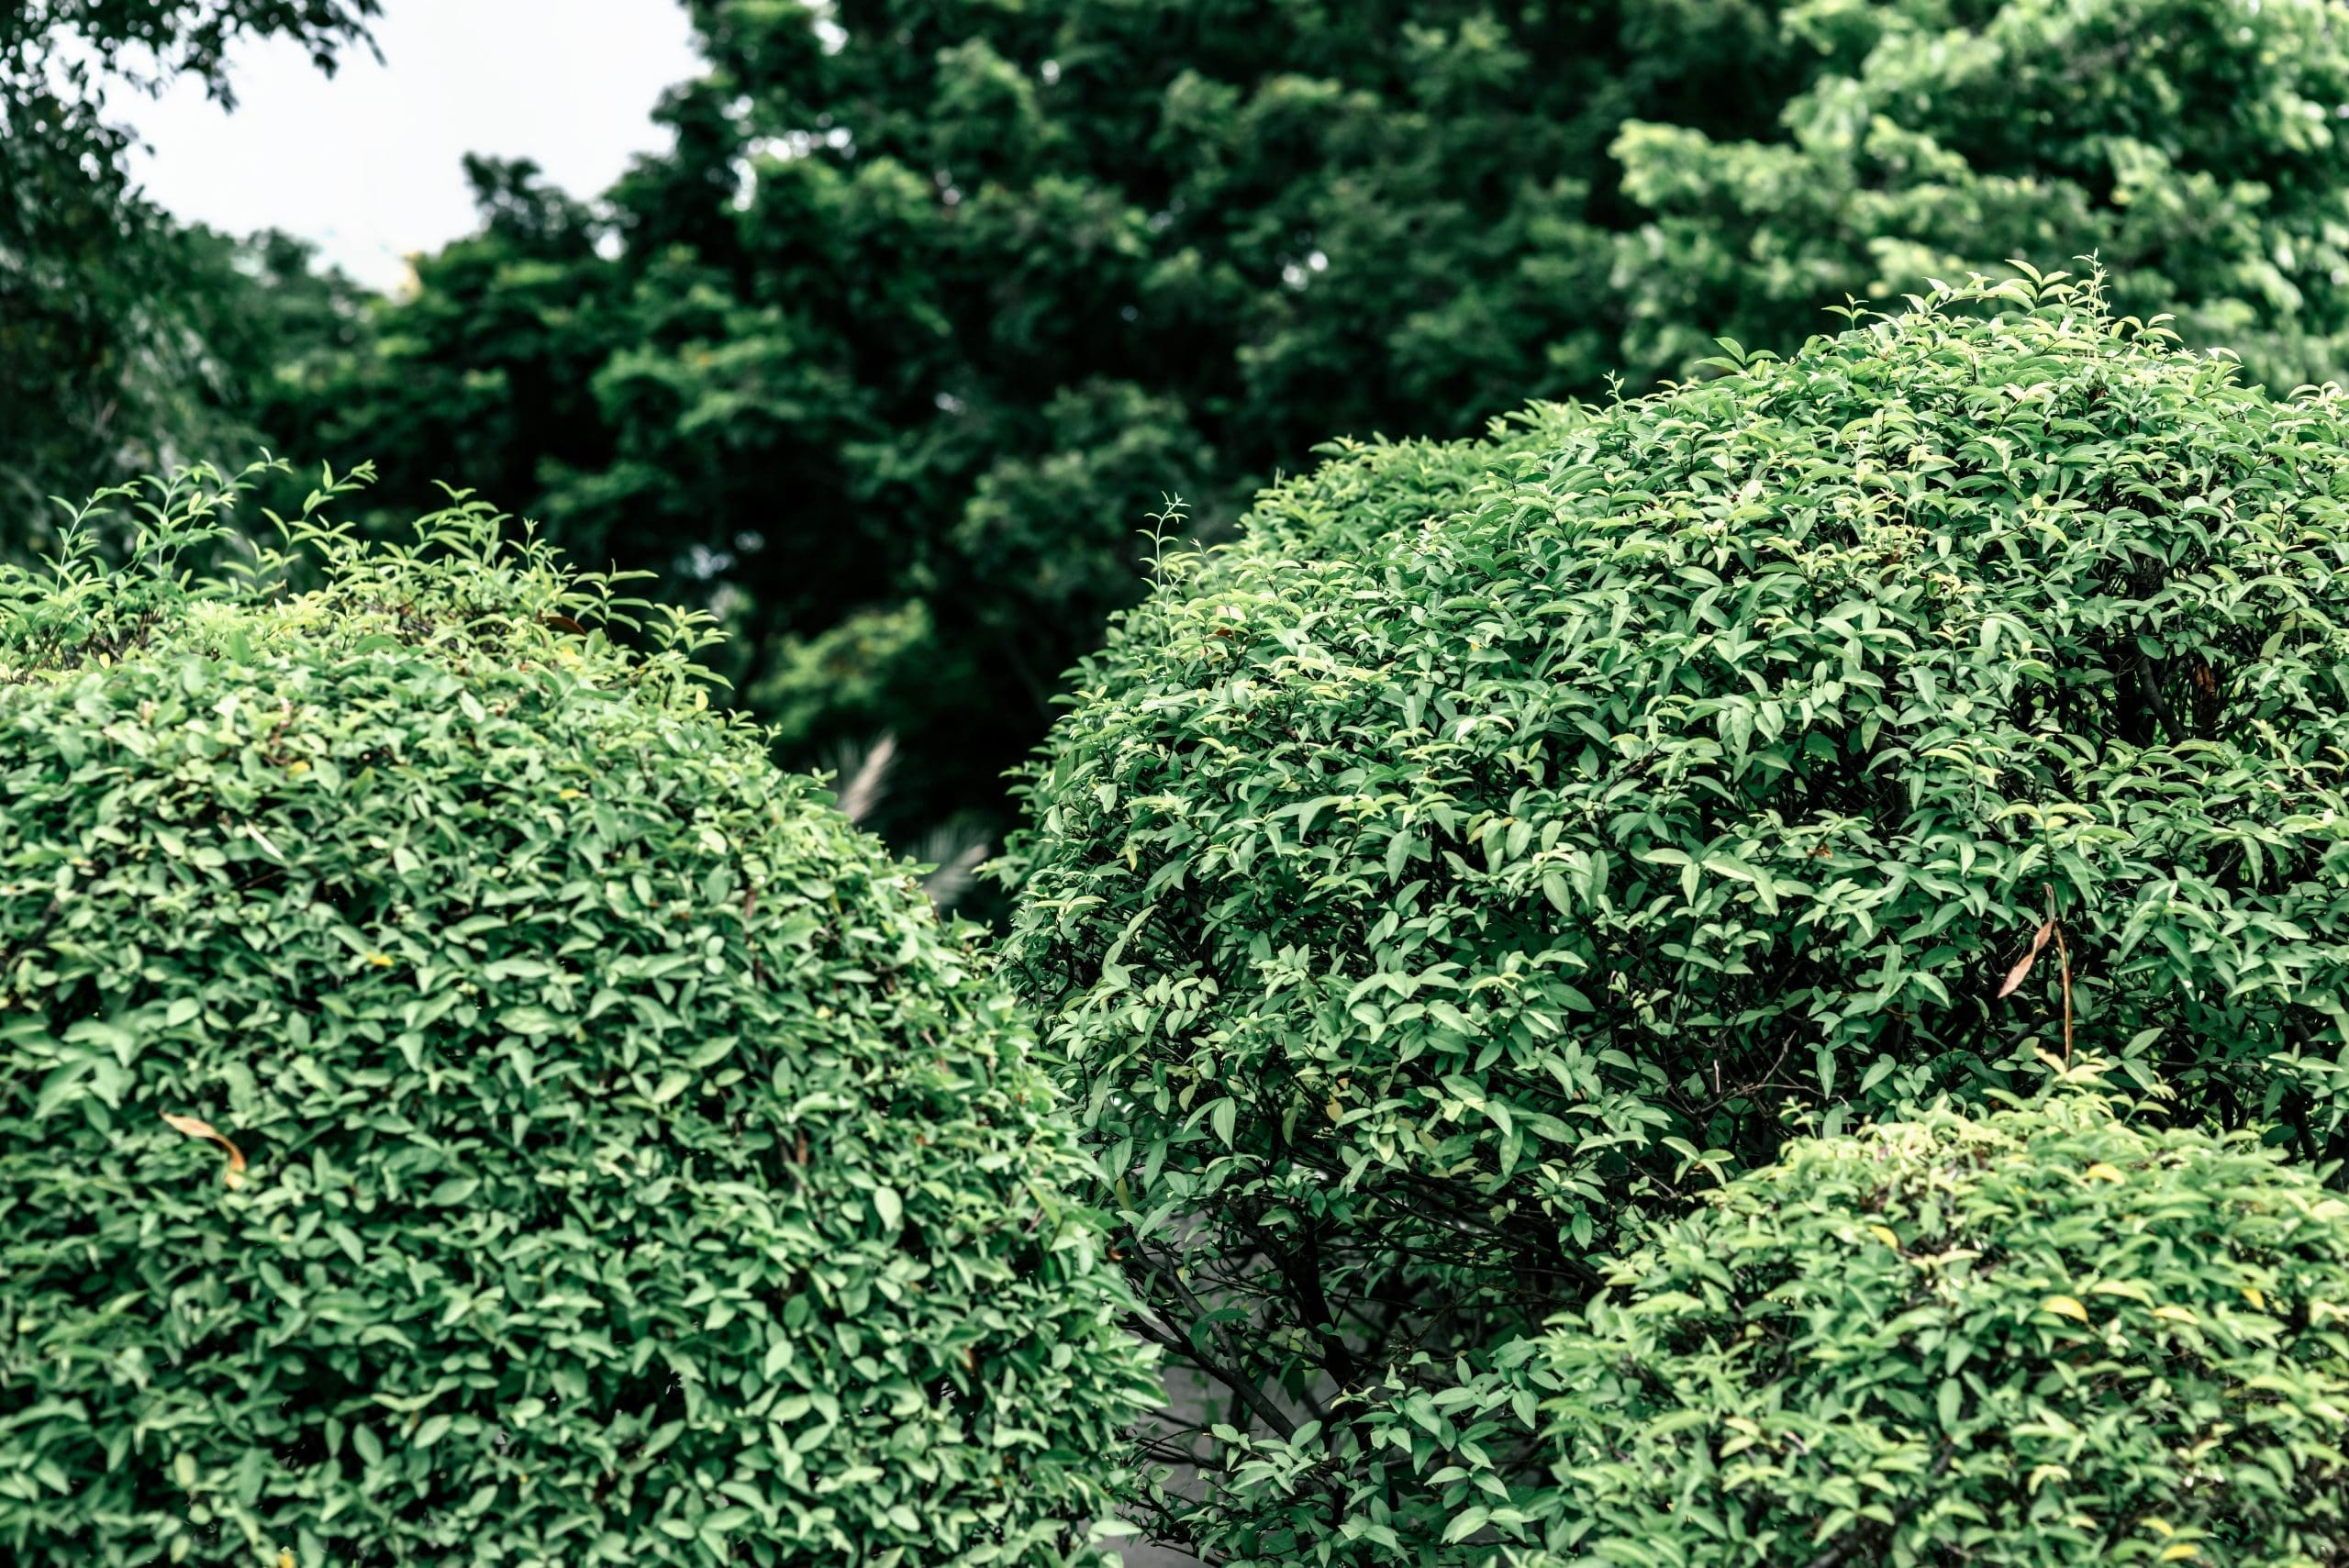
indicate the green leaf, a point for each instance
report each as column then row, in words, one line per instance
column 1467, row 1522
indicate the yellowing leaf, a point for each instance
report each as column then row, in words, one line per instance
column 2101, row 1172
column 197, row 1127
column 2175, row 1315
column 2065, row 1306
column 2258, row 1302
column 2180, row 1551
column 1884, row 1234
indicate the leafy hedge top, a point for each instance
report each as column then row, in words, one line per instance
column 2045, row 1337
column 1499, row 828
column 627, row 1167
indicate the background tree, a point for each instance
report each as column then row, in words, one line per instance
column 934, row 301
column 127, row 339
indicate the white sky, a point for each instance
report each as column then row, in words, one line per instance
column 367, row 163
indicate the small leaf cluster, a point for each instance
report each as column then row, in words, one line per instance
column 1500, row 836
column 624, row 1165
column 2041, row 1336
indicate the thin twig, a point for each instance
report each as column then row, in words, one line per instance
column 2065, row 955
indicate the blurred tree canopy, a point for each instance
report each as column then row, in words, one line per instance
column 934, row 302
column 126, row 339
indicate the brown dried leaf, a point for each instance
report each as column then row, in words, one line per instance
column 2021, row 970
column 195, row 1127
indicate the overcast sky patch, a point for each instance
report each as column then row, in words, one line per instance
column 368, row 163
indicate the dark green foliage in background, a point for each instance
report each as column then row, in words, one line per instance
column 638, row 1172
column 2044, row 1339
column 1501, row 836
column 126, row 338
column 935, row 300
column 2201, row 151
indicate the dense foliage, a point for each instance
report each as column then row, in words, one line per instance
column 2042, row 1338
column 2199, row 150
column 459, row 1101
column 1501, row 831
column 935, row 301
column 125, row 337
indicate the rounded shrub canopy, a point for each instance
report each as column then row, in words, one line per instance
column 1500, row 831
column 460, row 1102
column 2041, row 1337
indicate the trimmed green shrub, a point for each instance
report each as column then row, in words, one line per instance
column 2045, row 1337
column 625, row 1166
column 1498, row 833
